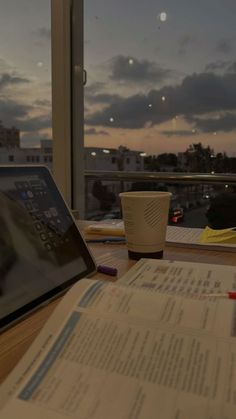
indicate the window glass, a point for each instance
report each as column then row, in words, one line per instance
column 161, row 78
column 25, row 78
column 160, row 93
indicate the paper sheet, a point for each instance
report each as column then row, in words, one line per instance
column 185, row 236
column 132, row 352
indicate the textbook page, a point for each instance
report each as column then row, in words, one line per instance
column 127, row 353
column 190, row 237
column 176, row 277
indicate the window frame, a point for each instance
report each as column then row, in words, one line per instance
column 67, row 100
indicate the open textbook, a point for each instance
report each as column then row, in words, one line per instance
column 152, row 345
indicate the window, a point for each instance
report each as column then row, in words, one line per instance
column 10, row 158
column 166, row 95
column 164, row 84
column 25, row 76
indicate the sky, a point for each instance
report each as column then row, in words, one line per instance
column 25, row 68
column 161, row 75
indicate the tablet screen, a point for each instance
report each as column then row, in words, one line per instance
column 41, row 249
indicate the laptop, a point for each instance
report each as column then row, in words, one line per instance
column 42, row 252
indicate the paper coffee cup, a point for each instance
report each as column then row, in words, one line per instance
column 145, row 216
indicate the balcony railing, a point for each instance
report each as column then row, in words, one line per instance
column 193, row 192
column 166, row 177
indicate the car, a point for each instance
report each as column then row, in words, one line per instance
column 176, row 215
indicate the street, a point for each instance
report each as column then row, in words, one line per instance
column 194, row 218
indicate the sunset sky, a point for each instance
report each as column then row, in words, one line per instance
column 161, row 74
column 25, row 68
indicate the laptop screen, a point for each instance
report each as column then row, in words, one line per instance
column 41, row 249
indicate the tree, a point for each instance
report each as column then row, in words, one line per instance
column 151, row 164
column 199, row 158
column 167, row 159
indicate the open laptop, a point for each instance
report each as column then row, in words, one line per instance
column 42, row 252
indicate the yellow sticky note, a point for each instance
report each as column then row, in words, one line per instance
column 227, row 235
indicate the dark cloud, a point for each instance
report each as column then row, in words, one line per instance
column 133, row 70
column 11, row 112
column 17, row 114
column 7, row 79
column 94, row 88
column 179, row 133
column 93, row 94
column 93, row 131
column 224, row 45
column 198, row 94
column 217, row 65
column 103, row 98
column 225, row 123
column 36, row 123
column 126, row 113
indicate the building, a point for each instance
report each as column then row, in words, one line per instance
column 95, row 158
column 109, row 159
column 31, row 155
column 9, row 137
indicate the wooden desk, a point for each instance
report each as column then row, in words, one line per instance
column 15, row 341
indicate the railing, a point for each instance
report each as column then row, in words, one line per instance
column 219, row 178
column 192, row 192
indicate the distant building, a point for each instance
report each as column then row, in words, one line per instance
column 31, row 155
column 109, row 159
column 95, row 158
column 9, row 137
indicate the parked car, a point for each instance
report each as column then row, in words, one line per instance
column 176, row 215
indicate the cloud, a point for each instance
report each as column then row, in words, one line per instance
column 17, row 114
column 198, row 94
column 93, row 131
column 179, row 133
column 36, row 123
column 224, row 123
column 44, row 103
column 134, row 70
column 224, row 45
column 7, row 79
column 11, row 112
column 94, row 88
column 105, row 98
column 217, row 65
